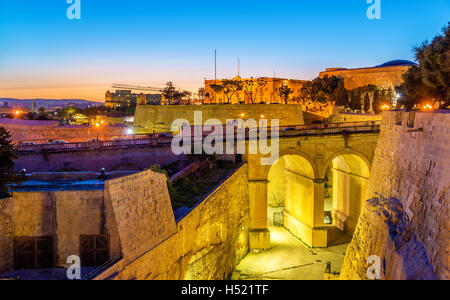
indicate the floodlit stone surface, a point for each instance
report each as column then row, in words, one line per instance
column 208, row 242
column 65, row 215
column 289, row 259
column 6, row 234
column 160, row 118
column 143, row 211
column 412, row 167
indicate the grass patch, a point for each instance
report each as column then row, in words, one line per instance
column 189, row 190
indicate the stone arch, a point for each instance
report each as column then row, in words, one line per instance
column 295, row 176
column 343, row 152
column 347, row 173
column 284, row 153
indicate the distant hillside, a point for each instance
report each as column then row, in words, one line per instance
column 48, row 102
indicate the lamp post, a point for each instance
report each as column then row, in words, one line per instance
column 97, row 125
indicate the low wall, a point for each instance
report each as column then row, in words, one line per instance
column 207, row 244
column 409, row 229
column 122, row 159
column 6, row 234
column 41, row 132
column 160, row 118
column 351, row 117
column 65, row 215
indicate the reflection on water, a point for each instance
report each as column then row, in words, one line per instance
column 59, row 185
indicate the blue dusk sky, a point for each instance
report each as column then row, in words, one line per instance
column 43, row 54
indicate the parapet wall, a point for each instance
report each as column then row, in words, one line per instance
column 41, row 132
column 63, row 214
column 207, row 244
column 409, row 229
column 383, row 76
column 112, row 159
column 160, row 118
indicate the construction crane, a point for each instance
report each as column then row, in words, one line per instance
column 140, row 88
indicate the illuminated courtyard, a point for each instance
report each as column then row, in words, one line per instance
column 290, row 259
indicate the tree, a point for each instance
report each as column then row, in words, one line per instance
column 355, row 100
column 69, row 112
column 249, row 87
column 430, row 80
column 323, row 90
column 217, row 88
column 230, row 87
column 285, row 91
column 174, row 96
column 260, row 85
column 367, row 103
column 7, row 157
column 170, row 93
column 341, row 94
column 201, row 94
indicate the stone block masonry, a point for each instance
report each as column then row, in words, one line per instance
column 208, row 242
column 160, row 118
column 65, row 215
column 6, row 234
column 42, row 132
column 143, row 212
column 411, row 236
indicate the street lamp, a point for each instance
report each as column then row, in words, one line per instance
column 427, row 107
column 97, row 125
column 385, row 107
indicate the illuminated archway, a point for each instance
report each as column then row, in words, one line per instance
column 296, row 197
column 347, row 175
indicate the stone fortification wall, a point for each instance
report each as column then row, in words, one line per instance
column 65, row 215
column 407, row 225
column 160, row 118
column 206, row 244
column 6, row 234
column 41, row 132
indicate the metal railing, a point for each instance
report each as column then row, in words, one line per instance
column 93, row 145
column 285, row 131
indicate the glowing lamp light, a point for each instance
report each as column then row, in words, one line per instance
column 427, row 107
column 17, row 112
column 262, row 116
column 97, row 125
column 130, row 131
column 242, row 115
column 102, row 121
column 385, row 107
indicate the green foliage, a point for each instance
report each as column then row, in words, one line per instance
column 7, row 157
column 158, row 169
column 230, row 87
column 323, row 90
column 367, row 103
column 430, row 80
column 173, row 95
column 341, row 94
column 285, row 91
column 69, row 112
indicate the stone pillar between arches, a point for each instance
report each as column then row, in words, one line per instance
column 259, row 235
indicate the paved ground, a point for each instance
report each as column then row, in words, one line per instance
column 43, row 274
column 289, row 259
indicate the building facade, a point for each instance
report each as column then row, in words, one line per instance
column 125, row 98
column 388, row 75
column 252, row 90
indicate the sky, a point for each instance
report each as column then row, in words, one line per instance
column 43, row 54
